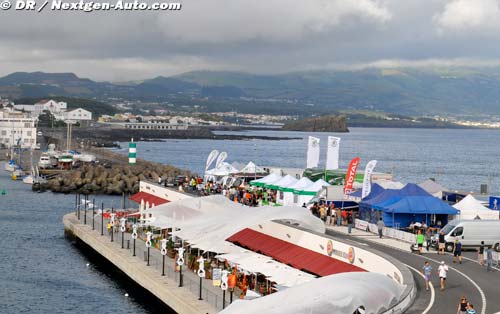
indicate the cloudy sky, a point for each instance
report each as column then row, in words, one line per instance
column 269, row 36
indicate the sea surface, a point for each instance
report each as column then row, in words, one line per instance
column 457, row 159
column 41, row 271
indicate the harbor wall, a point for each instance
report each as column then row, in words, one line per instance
column 181, row 300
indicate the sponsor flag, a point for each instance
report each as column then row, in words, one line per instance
column 211, row 158
column 351, row 175
column 313, row 152
column 367, row 182
column 332, row 153
column 220, row 159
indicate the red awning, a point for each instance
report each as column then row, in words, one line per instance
column 291, row 254
column 137, row 197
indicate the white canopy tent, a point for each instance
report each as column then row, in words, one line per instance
column 283, row 185
column 206, row 222
column 471, row 208
column 309, row 192
column 271, row 178
column 288, row 196
column 218, row 173
column 252, row 168
column 331, row 294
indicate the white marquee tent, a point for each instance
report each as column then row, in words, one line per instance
column 471, row 208
column 271, row 178
column 309, row 192
column 288, row 196
column 252, row 168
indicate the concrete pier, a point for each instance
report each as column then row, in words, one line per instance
column 166, row 288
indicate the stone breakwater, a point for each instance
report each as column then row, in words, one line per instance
column 118, row 179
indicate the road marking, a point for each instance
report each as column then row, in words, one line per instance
column 433, row 295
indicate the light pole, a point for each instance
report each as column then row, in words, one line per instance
column 122, row 229
column 201, row 273
column 85, row 209
column 148, row 242
column 93, row 214
column 102, row 218
column 180, row 262
column 163, row 253
column 134, row 236
column 112, row 222
column 223, row 286
column 79, row 204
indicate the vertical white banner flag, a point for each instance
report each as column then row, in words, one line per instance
column 211, row 158
column 220, row 159
column 313, row 152
column 332, row 153
column 367, row 182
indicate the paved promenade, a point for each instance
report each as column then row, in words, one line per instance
column 166, row 288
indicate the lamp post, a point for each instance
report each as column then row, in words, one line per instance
column 134, row 236
column 112, row 222
column 79, row 204
column 85, row 210
column 93, row 214
column 102, row 218
column 148, row 242
column 201, row 273
column 122, row 229
column 180, row 262
column 163, row 253
column 76, row 203
column 223, row 286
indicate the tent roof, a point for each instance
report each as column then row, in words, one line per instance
column 409, row 189
column 284, row 182
column 312, row 189
column 432, row 187
column 470, row 207
column 223, row 170
column 252, row 168
column 375, row 190
column 302, row 183
column 330, row 294
column 419, row 204
column 270, row 178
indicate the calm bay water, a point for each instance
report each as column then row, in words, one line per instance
column 457, row 159
column 42, row 272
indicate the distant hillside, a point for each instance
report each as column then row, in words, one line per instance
column 96, row 107
column 407, row 91
column 319, row 124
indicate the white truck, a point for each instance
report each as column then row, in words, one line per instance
column 471, row 233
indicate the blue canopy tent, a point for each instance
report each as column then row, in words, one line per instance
column 375, row 190
column 366, row 210
column 402, row 210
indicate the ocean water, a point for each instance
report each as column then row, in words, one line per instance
column 457, row 159
column 41, row 271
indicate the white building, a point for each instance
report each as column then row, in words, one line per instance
column 78, row 114
column 17, row 130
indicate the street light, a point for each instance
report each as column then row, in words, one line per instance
column 223, row 286
column 134, row 235
column 112, row 222
column 201, row 272
column 148, row 242
column 163, row 252
column 180, row 262
column 93, row 214
column 85, row 209
column 122, row 228
column 102, row 218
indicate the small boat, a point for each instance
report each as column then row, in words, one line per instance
column 10, row 165
column 84, row 157
column 45, row 161
column 17, row 174
column 34, row 177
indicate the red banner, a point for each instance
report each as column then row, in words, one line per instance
column 351, row 175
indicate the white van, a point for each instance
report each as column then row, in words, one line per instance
column 472, row 232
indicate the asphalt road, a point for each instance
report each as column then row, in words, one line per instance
column 481, row 288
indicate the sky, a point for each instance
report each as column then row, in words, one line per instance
column 265, row 37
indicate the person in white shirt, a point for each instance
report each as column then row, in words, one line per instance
column 443, row 270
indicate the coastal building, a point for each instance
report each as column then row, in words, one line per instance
column 15, row 129
column 78, row 114
column 155, row 126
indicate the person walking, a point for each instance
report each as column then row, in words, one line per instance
column 427, row 270
column 441, row 243
column 328, row 215
column 380, row 227
column 462, row 305
column 420, row 241
column 457, row 251
column 349, row 223
column 480, row 254
column 489, row 259
column 443, row 271
column 339, row 217
column 428, row 237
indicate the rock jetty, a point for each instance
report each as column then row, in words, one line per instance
column 119, row 179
